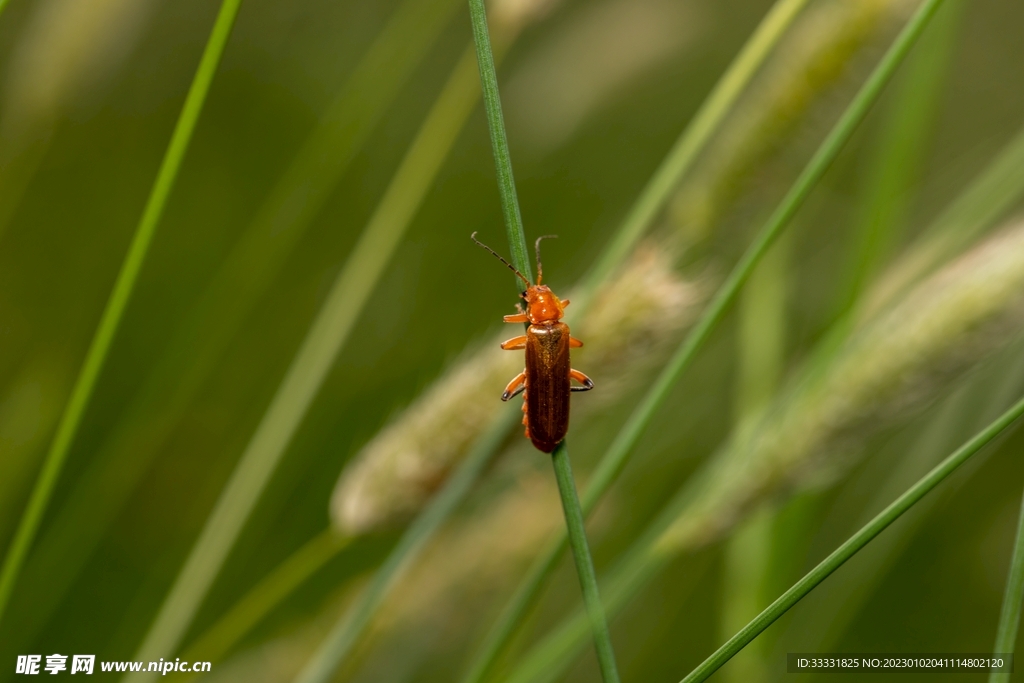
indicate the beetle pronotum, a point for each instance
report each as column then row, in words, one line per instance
column 546, row 382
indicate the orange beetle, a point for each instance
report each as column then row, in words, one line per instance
column 546, row 381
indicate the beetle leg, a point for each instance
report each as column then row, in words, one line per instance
column 517, row 318
column 515, row 343
column 575, row 343
column 515, row 387
column 565, row 302
column 587, row 383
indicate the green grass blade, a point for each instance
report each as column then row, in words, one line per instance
column 520, row 257
column 118, row 301
column 499, row 142
column 690, row 143
column 265, row 596
column 1009, row 615
column 345, row 634
column 309, row 368
column 855, row 543
column 584, row 563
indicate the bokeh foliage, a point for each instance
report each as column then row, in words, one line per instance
column 78, row 162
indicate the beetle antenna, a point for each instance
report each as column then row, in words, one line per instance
column 498, row 256
column 536, row 248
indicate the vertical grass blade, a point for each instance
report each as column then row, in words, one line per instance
column 1009, row 615
column 548, row 661
column 517, row 246
column 345, row 634
column 584, row 563
column 499, row 141
column 856, row 542
column 118, row 301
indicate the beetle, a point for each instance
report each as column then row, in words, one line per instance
column 547, row 380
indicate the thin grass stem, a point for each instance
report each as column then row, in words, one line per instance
column 117, row 303
column 345, row 634
column 615, row 458
column 860, row 539
column 499, row 142
column 584, row 563
column 517, row 246
column 1009, row 614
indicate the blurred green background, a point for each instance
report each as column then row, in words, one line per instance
column 595, row 93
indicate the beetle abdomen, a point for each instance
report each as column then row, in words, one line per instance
column 547, row 382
